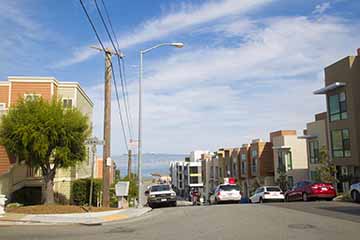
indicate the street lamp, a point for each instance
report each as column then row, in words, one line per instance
column 142, row 52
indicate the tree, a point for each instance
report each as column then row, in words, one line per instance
column 282, row 180
column 45, row 136
column 327, row 169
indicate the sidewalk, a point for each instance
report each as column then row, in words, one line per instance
column 94, row 218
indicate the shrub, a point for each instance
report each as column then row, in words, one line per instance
column 80, row 191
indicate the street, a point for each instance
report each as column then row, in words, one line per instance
column 299, row 220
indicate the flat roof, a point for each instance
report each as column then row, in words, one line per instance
column 329, row 88
column 307, row 137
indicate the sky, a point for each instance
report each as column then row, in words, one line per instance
column 248, row 67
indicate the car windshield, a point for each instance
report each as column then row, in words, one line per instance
column 273, row 189
column 159, row 188
column 229, row 187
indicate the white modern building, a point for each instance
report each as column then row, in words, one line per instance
column 187, row 174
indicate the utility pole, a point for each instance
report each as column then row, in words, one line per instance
column 129, row 164
column 107, row 124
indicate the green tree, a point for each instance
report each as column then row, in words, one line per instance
column 45, row 136
column 282, row 180
column 327, row 169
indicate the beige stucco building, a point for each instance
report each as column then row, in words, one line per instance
column 316, row 135
column 290, row 155
column 18, row 179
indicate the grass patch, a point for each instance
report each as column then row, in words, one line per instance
column 55, row 209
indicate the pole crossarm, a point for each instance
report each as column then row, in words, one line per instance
column 108, row 50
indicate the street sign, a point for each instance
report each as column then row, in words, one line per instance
column 108, row 162
column 122, row 189
column 94, row 141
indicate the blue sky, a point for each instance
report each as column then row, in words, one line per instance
column 248, row 66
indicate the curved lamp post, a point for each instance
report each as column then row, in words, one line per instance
column 142, row 52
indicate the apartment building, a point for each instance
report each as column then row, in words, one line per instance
column 177, row 176
column 261, row 163
column 316, row 135
column 229, row 161
column 16, row 177
column 211, row 172
column 289, row 155
column 342, row 87
column 245, row 169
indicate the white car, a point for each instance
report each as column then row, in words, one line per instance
column 266, row 194
column 355, row 192
column 225, row 193
column 160, row 194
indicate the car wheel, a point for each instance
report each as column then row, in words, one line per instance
column 355, row 196
column 287, row 199
column 261, row 200
column 305, row 197
column 174, row 204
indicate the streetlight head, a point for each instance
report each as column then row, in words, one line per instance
column 177, row 44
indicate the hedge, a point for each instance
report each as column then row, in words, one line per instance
column 80, row 191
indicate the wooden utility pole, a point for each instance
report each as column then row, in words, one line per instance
column 107, row 125
column 129, row 164
column 107, row 131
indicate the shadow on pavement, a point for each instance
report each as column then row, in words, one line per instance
column 348, row 210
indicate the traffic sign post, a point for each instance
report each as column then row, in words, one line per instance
column 93, row 142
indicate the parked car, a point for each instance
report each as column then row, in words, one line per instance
column 225, row 193
column 267, row 194
column 308, row 190
column 160, row 195
column 355, row 192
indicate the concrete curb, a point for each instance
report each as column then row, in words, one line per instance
column 86, row 219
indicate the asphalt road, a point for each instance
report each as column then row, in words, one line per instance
column 313, row 220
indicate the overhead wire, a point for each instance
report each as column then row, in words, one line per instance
column 126, row 106
column 112, row 70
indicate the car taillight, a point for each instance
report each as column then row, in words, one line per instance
column 266, row 193
column 218, row 193
column 281, row 192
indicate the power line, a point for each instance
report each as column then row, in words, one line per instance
column 118, row 61
column 123, row 78
column 112, row 70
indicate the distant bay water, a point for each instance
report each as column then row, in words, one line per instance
column 152, row 163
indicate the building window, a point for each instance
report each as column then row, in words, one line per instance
column 340, row 143
column 290, row 181
column 211, row 171
column 253, row 166
column 254, row 153
column 284, row 161
column 315, row 176
column 243, row 167
column 194, row 170
column 288, row 158
column 243, row 156
column 67, row 103
column 216, row 172
column 31, row 96
column 2, row 106
column 194, row 180
column 314, row 151
column 337, row 107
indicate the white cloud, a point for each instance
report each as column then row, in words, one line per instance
column 322, row 8
column 185, row 17
column 226, row 96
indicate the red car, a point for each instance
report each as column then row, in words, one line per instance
column 308, row 190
